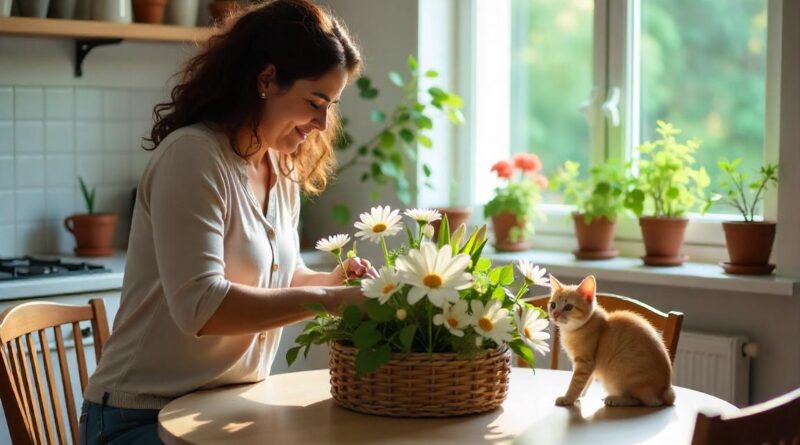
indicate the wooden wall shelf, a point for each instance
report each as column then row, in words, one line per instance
column 87, row 29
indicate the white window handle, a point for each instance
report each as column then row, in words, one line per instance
column 587, row 107
column 611, row 106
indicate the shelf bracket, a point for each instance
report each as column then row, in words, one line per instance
column 84, row 46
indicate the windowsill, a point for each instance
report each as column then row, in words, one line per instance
column 631, row 270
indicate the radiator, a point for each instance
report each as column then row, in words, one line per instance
column 715, row 364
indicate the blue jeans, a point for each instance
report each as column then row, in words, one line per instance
column 103, row 424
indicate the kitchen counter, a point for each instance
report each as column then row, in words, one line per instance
column 104, row 281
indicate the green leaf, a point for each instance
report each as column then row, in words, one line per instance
column 291, row 355
column 366, row 336
column 369, row 93
column 363, row 83
column 425, row 141
column 483, row 265
column 507, row 275
column 377, row 116
column 426, row 170
column 444, row 233
column 407, row 336
column 494, row 276
column 431, row 74
column 341, row 214
column 412, row 62
column 377, row 311
column 396, row 78
column 316, row 307
column 499, row 293
column 387, row 139
column 351, row 316
column 369, row 360
column 523, row 351
column 407, row 135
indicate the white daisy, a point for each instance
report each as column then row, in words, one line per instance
column 437, row 274
column 423, row 216
column 492, row 321
column 428, row 231
column 382, row 287
column 532, row 329
column 533, row 274
column 333, row 243
column 377, row 223
column 454, row 318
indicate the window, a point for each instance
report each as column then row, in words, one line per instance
column 586, row 80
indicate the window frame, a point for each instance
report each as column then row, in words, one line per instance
column 615, row 64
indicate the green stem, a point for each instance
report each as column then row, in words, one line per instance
column 385, row 252
column 755, row 200
column 338, row 256
column 521, row 291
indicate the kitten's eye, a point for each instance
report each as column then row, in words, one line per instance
column 553, row 305
column 567, row 307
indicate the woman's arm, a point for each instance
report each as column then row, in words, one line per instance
column 247, row 309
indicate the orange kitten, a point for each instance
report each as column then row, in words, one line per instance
column 621, row 349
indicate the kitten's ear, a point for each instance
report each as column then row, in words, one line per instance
column 555, row 285
column 587, row 288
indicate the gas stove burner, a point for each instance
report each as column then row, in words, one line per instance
column 31, row 267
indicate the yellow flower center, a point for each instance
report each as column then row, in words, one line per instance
column 527, row 332
column 485, row 324
column 378, row 228
column 432, row 280
column 389, row 287
column 453, row 322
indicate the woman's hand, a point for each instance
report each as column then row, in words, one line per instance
column 354, row 269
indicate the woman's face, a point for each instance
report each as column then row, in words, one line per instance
column 291, row 115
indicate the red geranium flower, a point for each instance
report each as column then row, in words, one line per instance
column 528, row 162
column 541, row 181
column 503, row 169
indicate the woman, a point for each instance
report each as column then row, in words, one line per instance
column 213, row 267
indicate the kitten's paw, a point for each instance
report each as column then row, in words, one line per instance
column 565, row 401
column 621, row 401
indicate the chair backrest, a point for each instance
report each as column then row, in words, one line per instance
column 776, row 421
column 669, row 324
column 33, row 413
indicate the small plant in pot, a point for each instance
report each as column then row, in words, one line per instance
column 666, row 188
column 749, row 241
column 94, row 232
column 515, row 205
column 598, row 200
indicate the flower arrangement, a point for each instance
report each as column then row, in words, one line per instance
column 521, row 194
column 433, row 296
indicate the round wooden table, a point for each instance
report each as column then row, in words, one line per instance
column 297, row 408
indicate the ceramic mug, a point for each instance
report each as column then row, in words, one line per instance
column 112, row 11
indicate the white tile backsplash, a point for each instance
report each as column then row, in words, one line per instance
column 88, row 103
column 51, row 135
column 6, row 138
column 7, row 211
column 88, row 136
column 60, row 171
column 29, row 103
column 59, row 137
column 6, row 172
column 30, row 205
column 59, row 104
column 29, row 171
column 6, row 103
column 28, row 137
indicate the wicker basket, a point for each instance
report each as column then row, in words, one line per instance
column 422, row 384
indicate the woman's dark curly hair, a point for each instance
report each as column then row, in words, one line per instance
column 219, row 86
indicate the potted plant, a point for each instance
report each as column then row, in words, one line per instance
column 438, row 317
column 749, row 241
column 94, row 232
column 598, row 200
column 666, row 188
column 384, row 157
column 515, row 205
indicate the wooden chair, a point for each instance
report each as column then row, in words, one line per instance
column 776, row 421
column 668, row 324
column 33, row 414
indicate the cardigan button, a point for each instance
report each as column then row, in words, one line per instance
column 271, row 234
column 274, row 267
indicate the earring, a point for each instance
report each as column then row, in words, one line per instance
column 263, row 95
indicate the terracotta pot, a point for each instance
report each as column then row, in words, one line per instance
column 455, row 217
column 94, row 234
column 149, row 11
column 663, row 238
column 222, row 9
column 596, row 239
column 749, row 243
column 502, row 224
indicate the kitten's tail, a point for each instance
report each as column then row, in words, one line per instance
column 668, row 396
